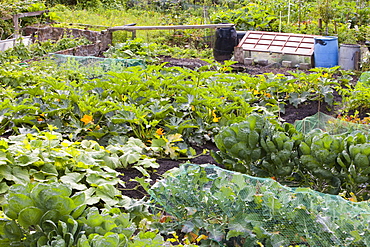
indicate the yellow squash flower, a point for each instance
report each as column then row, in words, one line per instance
column 160, row 131
column 87, row 119
column 215, row 118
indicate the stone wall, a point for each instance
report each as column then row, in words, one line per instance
column 83, row 50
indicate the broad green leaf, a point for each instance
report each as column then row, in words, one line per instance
column 62, row 226
column 97, row 154
column 108, row 193
column 50, row 217
column 30, row 216
column 42, row 192
column 86, row 160
column 108, row 240
column 83, row 242
column 62, row 204
column 356, row 235
column 49, row 169
column 16, row 203
column 365, row 78
column 12, row 230
column 158, row 143
column 135, row 142
column 296, row 98
column 20, row 175
column 123, row 219
column 3, row 145
column 215, row 233
column 72, row 179
column 142, row 170
column 26, row 160
column 239, row 180
column 98, row 179
column 38, row 176
column 95, row 219
column 3, row 159
column 3, row 187
column 79, row 198
column 97, row 135
column 260, row 232
column 6, row 172
column 124, row 202
column 187, row 227
column 43, row 240
column 147, row 163
column 112, row 161
column 91, row 199
column 109, row 224
column 21, row 189
column 77, row 212
column 234, row 233
column 129, row 158
column 59, row 242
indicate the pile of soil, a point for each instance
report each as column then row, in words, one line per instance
column 291, row 114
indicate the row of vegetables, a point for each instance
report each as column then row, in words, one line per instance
column 327, row 163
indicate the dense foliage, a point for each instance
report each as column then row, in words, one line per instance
column 9, row 8
column 67, row 129
column 328, row 163
column 76, row 124
column 225, row 208
column 195, row 104
column 348, row 20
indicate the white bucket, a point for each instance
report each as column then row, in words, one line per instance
column 349, row 56
column 10, row 43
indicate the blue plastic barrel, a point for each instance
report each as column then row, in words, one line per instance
column 326, row 51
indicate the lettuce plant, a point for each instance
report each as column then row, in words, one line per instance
column 327, row 163
column 53, row 214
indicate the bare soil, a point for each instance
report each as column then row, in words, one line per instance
column 291, row 114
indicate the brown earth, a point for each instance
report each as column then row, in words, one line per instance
column 291, row 114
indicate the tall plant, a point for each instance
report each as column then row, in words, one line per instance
column 326, row 12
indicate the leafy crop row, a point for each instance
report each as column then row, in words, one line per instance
column 328, row 163
column 60, row 193
column 41, row 214
column 136, row 102
column 233, row 209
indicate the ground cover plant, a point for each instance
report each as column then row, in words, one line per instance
column 137, row 102
column 70, row 134
column 166, row 110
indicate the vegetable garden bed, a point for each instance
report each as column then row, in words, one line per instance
column 81, row 146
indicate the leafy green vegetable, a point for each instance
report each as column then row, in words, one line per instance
column 326, row 163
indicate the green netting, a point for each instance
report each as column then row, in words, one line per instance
column 234, row 209
column 329, row 124
column 95, row 66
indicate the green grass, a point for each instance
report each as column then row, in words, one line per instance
column 103, row 18
column 111, row 18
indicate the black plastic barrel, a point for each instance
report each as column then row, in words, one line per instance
column 367, row 43
column 240, row 35
column 226, row 40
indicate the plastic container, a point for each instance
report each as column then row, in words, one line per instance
column 326, row 51
column 226, row 40
column 240, row 35
column 349, row 56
